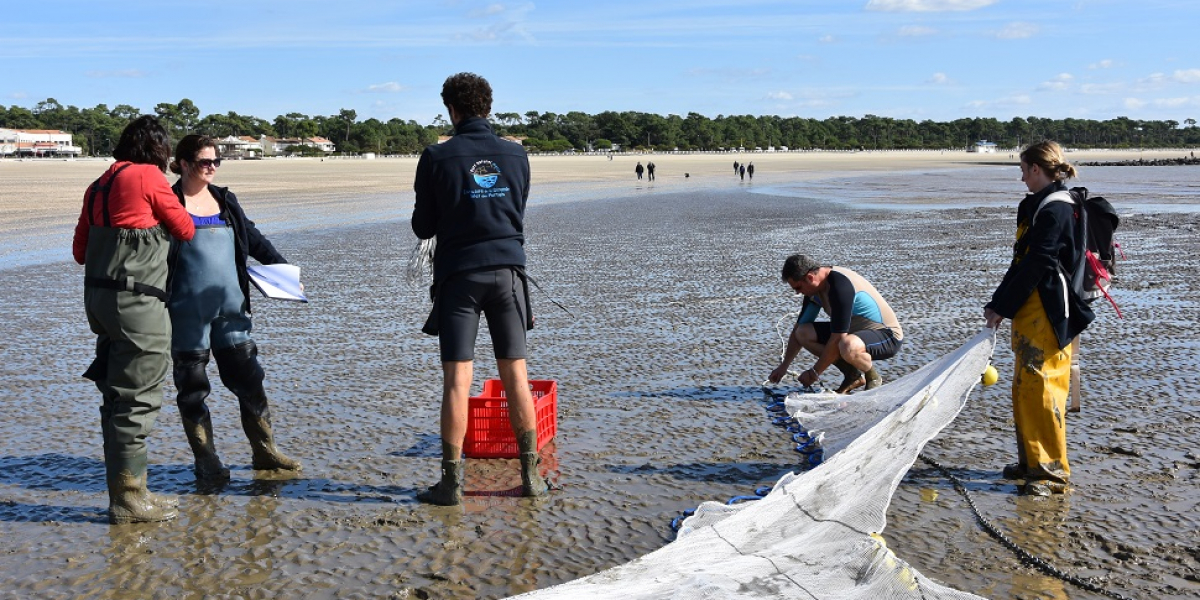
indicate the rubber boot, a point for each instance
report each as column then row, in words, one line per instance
column 532, row 482
column 874, row 379
column 208, row 465
column 241, row 373
column 191, row 381
column 852, row 378
column 264, row 456
column 128, row 499
column 448, row 491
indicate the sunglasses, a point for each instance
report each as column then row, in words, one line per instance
column 205, row 163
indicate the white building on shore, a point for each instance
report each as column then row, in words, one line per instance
column 983, row 147
column 37, row 143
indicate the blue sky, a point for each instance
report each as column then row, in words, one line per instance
column 918, row 59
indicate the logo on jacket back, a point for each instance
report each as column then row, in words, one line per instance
column 486, row 173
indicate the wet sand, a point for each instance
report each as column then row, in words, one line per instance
column 675, row 303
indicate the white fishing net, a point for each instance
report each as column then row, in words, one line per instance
column 419, row 272
column 816, row 534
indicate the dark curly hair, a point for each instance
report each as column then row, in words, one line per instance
column 188, row 148
column 144, row 141
column 469, row 94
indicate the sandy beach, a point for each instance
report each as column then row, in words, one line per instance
column 674, row 305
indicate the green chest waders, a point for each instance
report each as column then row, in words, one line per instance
column 125, row 271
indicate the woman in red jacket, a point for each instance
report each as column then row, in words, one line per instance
column 122, row 239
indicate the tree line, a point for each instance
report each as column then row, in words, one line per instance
column 97, row 129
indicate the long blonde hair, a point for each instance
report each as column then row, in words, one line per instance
column 1048, row 155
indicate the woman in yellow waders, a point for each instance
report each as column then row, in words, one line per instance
column 1046, row 315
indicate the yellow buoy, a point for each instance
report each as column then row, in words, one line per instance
column 990, row 375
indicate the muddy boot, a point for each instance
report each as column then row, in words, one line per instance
column 241, row 373
column 448, row 491
column 532, row 482
column 852, row 378
column 874, row 379
column 264, row 455
column 128, row 499
column 208, row 465
column 1044, row 487
column 191, row 381
column 1014, row 471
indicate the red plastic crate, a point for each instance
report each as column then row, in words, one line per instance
column 489, row 434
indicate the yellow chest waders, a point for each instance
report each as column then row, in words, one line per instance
column 1041, row 380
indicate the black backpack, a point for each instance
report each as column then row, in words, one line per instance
column 1093, row 275
column 1100, row 220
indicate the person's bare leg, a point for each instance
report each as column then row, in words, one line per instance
column 522, row 415
column 456, row 391
column 854, row 352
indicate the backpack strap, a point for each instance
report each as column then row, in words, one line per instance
column 127, row 284
column 1059, row 196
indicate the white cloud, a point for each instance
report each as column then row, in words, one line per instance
column 927, row 5
column 916, row 31
column 1018, row 30
column 1060, row 83
column 826, row 39
column 1154, row 80
column 1134, row 103
column 1103, row 64
column 487, row 11
column 779, row 96
column 1007, row 102
column 390, row 87
column 122, row 74
column 1176, row 102
column 1101, row 88
column 1187, row 76
column 939, row 79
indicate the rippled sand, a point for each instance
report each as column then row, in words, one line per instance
column 675, row 299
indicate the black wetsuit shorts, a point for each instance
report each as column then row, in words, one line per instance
column 497, row 293
column 881, row 343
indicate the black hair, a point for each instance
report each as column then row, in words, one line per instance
column 144, row 141
column 797, row 266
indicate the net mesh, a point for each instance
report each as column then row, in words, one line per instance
column 817, row 533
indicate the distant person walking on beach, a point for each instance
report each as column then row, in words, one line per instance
column 122, row 238
column 471, row 194
column 638, row 169
column 861, row 329
column 750, row 171
column 1046, row 316
column 743, row 172
column 210, row 312
column 650, row 171
column 735, row 167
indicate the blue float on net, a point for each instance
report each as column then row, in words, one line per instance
column 783, row 421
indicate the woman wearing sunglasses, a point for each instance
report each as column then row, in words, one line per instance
column 210, row 312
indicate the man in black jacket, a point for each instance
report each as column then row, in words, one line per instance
column 471, row 195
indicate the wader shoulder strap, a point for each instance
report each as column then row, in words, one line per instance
column 126, row 285
column 104, row 188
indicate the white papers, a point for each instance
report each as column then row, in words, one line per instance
column 280, row 281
